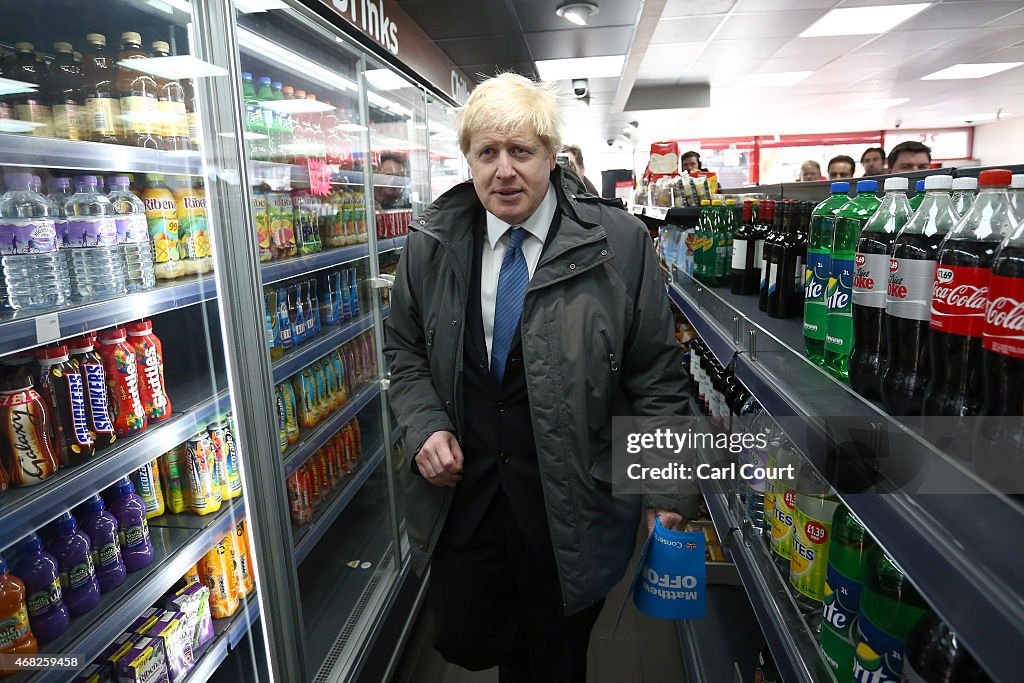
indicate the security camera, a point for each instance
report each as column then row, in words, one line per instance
column 611, row 142
column 580, row 87
column 899, row 122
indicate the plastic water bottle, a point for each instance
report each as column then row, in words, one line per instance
column 96, row 269
column 133, row 235
column 757, row 421
column 34, row 273
column 59, row 192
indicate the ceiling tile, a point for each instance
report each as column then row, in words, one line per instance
column 832, row 46
column 908, row 42
column 959, row 15
column 772, row 5
column 992, row 38
column 539, row 15
column 680, row 29
column 745, row 49
column 782, row 64
column 480, row 49
column 768, row 24
column 671, row 55
column 460, row 18
column 689, row 8
column 580, row 42
column 1014, row 19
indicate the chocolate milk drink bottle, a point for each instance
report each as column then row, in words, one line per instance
column 870, row 284
column 909, row 298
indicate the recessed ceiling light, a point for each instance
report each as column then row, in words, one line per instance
column 982, row 117
column 775, row 80
column 386, row 79
column 970, row 70
column 582, row 67
column 877, row 104
column 856, row 21
column 578, row 13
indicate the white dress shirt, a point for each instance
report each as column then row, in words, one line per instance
column 494, row 249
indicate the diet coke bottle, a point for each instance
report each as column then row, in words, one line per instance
column 908, row 301
column 960, row 296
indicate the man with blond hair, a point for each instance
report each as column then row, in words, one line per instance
column 525, row 314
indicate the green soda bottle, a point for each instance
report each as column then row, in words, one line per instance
column 253, row 117
column 266, row 94
column 847, row 561
column 816, row 505
column 915, row 201
column 890, row 607
column 711, row 243
column 819, row 260
column 850, row 218
column 703, row 236
column 725, row 230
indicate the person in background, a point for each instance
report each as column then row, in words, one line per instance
column 841, row 167
column 691, row 162
column 576, row 156
column 810, row 170
column 910, row 156
column 518, row 280
column 873, row 161
column 392, row 195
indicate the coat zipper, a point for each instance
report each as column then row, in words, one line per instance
column 614, row 364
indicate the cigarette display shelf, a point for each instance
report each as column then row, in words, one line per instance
column 330, row 338
column 943, row 523
column 176, row 549
column 25, row 509
column 313, row 439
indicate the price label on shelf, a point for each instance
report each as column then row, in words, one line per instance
column 47, row 328
column 319, row 177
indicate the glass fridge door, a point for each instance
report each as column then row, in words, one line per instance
column 124, row 467
column 310, row 184
column 447, row 164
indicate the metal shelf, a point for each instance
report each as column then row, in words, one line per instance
column 25, row 509
column 275, row 271
column 666, row 213
column 914, row 501
column 297, row 453
column 176, row 549
column 277, row 174
column 75, row 155
column 25, row 329
column 227, row 634
column 298, row 357
column 310, row 534
column 391, row 244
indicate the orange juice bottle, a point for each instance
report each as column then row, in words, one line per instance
column 15, row 635
column 193, row 227
column 161, row 214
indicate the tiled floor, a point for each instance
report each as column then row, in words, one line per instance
column 641, row 650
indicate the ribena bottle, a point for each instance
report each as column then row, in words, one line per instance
column 960, row 297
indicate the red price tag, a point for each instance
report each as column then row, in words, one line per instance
column 815, row 532
column 319, row 177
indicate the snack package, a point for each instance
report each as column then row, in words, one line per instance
column 94, row 673
column 173, row 630
column 110, row 654
column 192, row 575
column 147, row 619
column 216, row 572
column 664, row 161
column 143, row 661
column 193, row 601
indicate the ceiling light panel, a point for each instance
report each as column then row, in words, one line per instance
column 958, row 71
column 583, row 67
column 877, row 103
column 850, row 21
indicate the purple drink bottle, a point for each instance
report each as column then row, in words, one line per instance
column 38, row 569
column 77, row 575
column 102, row 528
column 130, row 511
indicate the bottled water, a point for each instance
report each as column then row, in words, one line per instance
column 133, row 235
column 59, row 191
column 96, row 269
column 34, row 271
column 755, row 420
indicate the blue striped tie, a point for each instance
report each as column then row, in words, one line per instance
column 513, row 278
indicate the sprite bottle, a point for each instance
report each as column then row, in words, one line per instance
column 847, row 560
column 850, row 219
column 816, row 274
column 702, row 238
column 724, row 232
column 918, row 198
column 711, row 242
column 890, row 607
column 816, row 505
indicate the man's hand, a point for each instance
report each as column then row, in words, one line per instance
column 670, row 520
column 440, row 459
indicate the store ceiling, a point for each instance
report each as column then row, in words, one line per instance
column 670, row 42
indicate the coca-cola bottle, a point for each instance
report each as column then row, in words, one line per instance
column 1003, row 339
column 908, row 301
column 964, row 191
column 870, row 279
column 960, row 299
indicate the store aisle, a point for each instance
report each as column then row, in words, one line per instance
column 641, row 650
